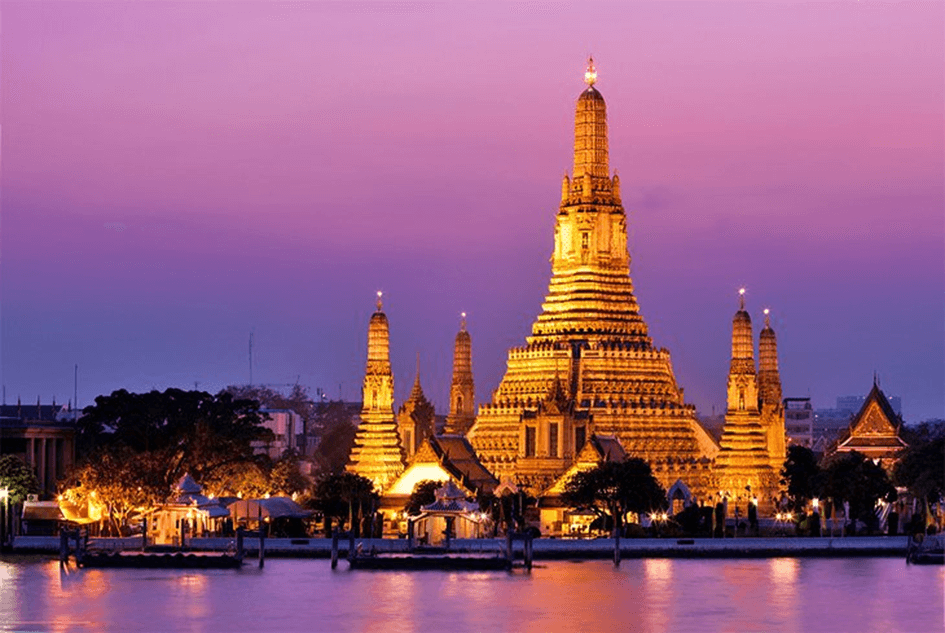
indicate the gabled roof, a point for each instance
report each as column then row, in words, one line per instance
column 874, row 428
column 598, row 449
column 458, row 456
column 444, row 458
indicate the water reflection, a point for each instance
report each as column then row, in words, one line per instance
column 641, row 595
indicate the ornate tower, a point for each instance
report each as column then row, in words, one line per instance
column 376, row 453
column 589, row 365
column 462, row 391
column 769, row 387
column 743, row 463
column 415, row 418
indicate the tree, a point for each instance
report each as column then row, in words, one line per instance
column 338, row 495
column 616, row 488
column 18, row 479
column 285, row 478
column 801, row 475
column 854, row 479
column 921, row 469
column 424, row 493
column 337, row 431
column 187, row 431
column 118, row 484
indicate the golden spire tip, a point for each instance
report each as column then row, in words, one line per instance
column 380, row 304
column 590, row 75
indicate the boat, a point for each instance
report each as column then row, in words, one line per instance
column 160, row 560
column 927, row 550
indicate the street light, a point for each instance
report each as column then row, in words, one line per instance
column 5, row 495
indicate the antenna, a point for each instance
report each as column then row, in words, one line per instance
column 251, row 359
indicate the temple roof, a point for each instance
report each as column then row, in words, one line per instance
column 876, row 426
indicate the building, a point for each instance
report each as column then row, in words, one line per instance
column 462, row 389
column 589, row 365
column 875, row 431
column 415, row 418
column 752, row 447
column 285, row 425
column 852, row 404
column 377, row 453
column 43, row 437
column 799, row 422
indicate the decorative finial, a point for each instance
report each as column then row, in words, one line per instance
column 380, row 304
column 590, row 75
column 767, row 317
column 741, row 298
column 462, row 321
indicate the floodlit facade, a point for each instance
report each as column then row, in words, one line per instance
column 589, row 365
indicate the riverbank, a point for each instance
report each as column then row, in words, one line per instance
column 544, row 548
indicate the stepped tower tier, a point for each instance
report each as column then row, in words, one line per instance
column 769, row 388
column 377, row 452
column 589, row 365
column 415, row 418
column 462, row 390
column 743, row 463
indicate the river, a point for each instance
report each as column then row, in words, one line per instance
column 651, row 595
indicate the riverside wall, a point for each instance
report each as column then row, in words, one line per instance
column 544, row 548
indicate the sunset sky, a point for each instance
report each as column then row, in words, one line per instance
column 176, row 176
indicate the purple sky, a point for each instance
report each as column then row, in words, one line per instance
column 175, row 176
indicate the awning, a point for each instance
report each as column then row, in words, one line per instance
column 273, row 508
column 41, row 511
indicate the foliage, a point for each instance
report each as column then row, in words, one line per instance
column 185, row 431
column 801, row 475
column 855, row 479
column 17, row 478
column 118, row 484
column 424, row 493
column 616, row 488
column 286, row 479
column 345, row 495
column 247, row 478
column 337, row 431
column 921, row 469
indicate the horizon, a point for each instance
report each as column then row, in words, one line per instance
column 176, row 178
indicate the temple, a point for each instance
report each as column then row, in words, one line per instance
column 589, row 365
column 462, row 389
column 377, row 453
column 874, row 431
column 745, row 467
column 415, row 418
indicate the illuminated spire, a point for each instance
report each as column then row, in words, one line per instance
column 590, row 75
column 462, row 322
column 741, row 298
column 380, row 304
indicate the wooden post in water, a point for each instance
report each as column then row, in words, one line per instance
column 334, row 549
column 410, row 529
column 239, row 543
column 63, row 547
column 351, row 544
column 144, row 534
column 616, row 548
column 262, row 547
column 528, row 551
column 508, row 547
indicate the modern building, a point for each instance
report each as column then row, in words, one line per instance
column 799, row 422
column 285, row 425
